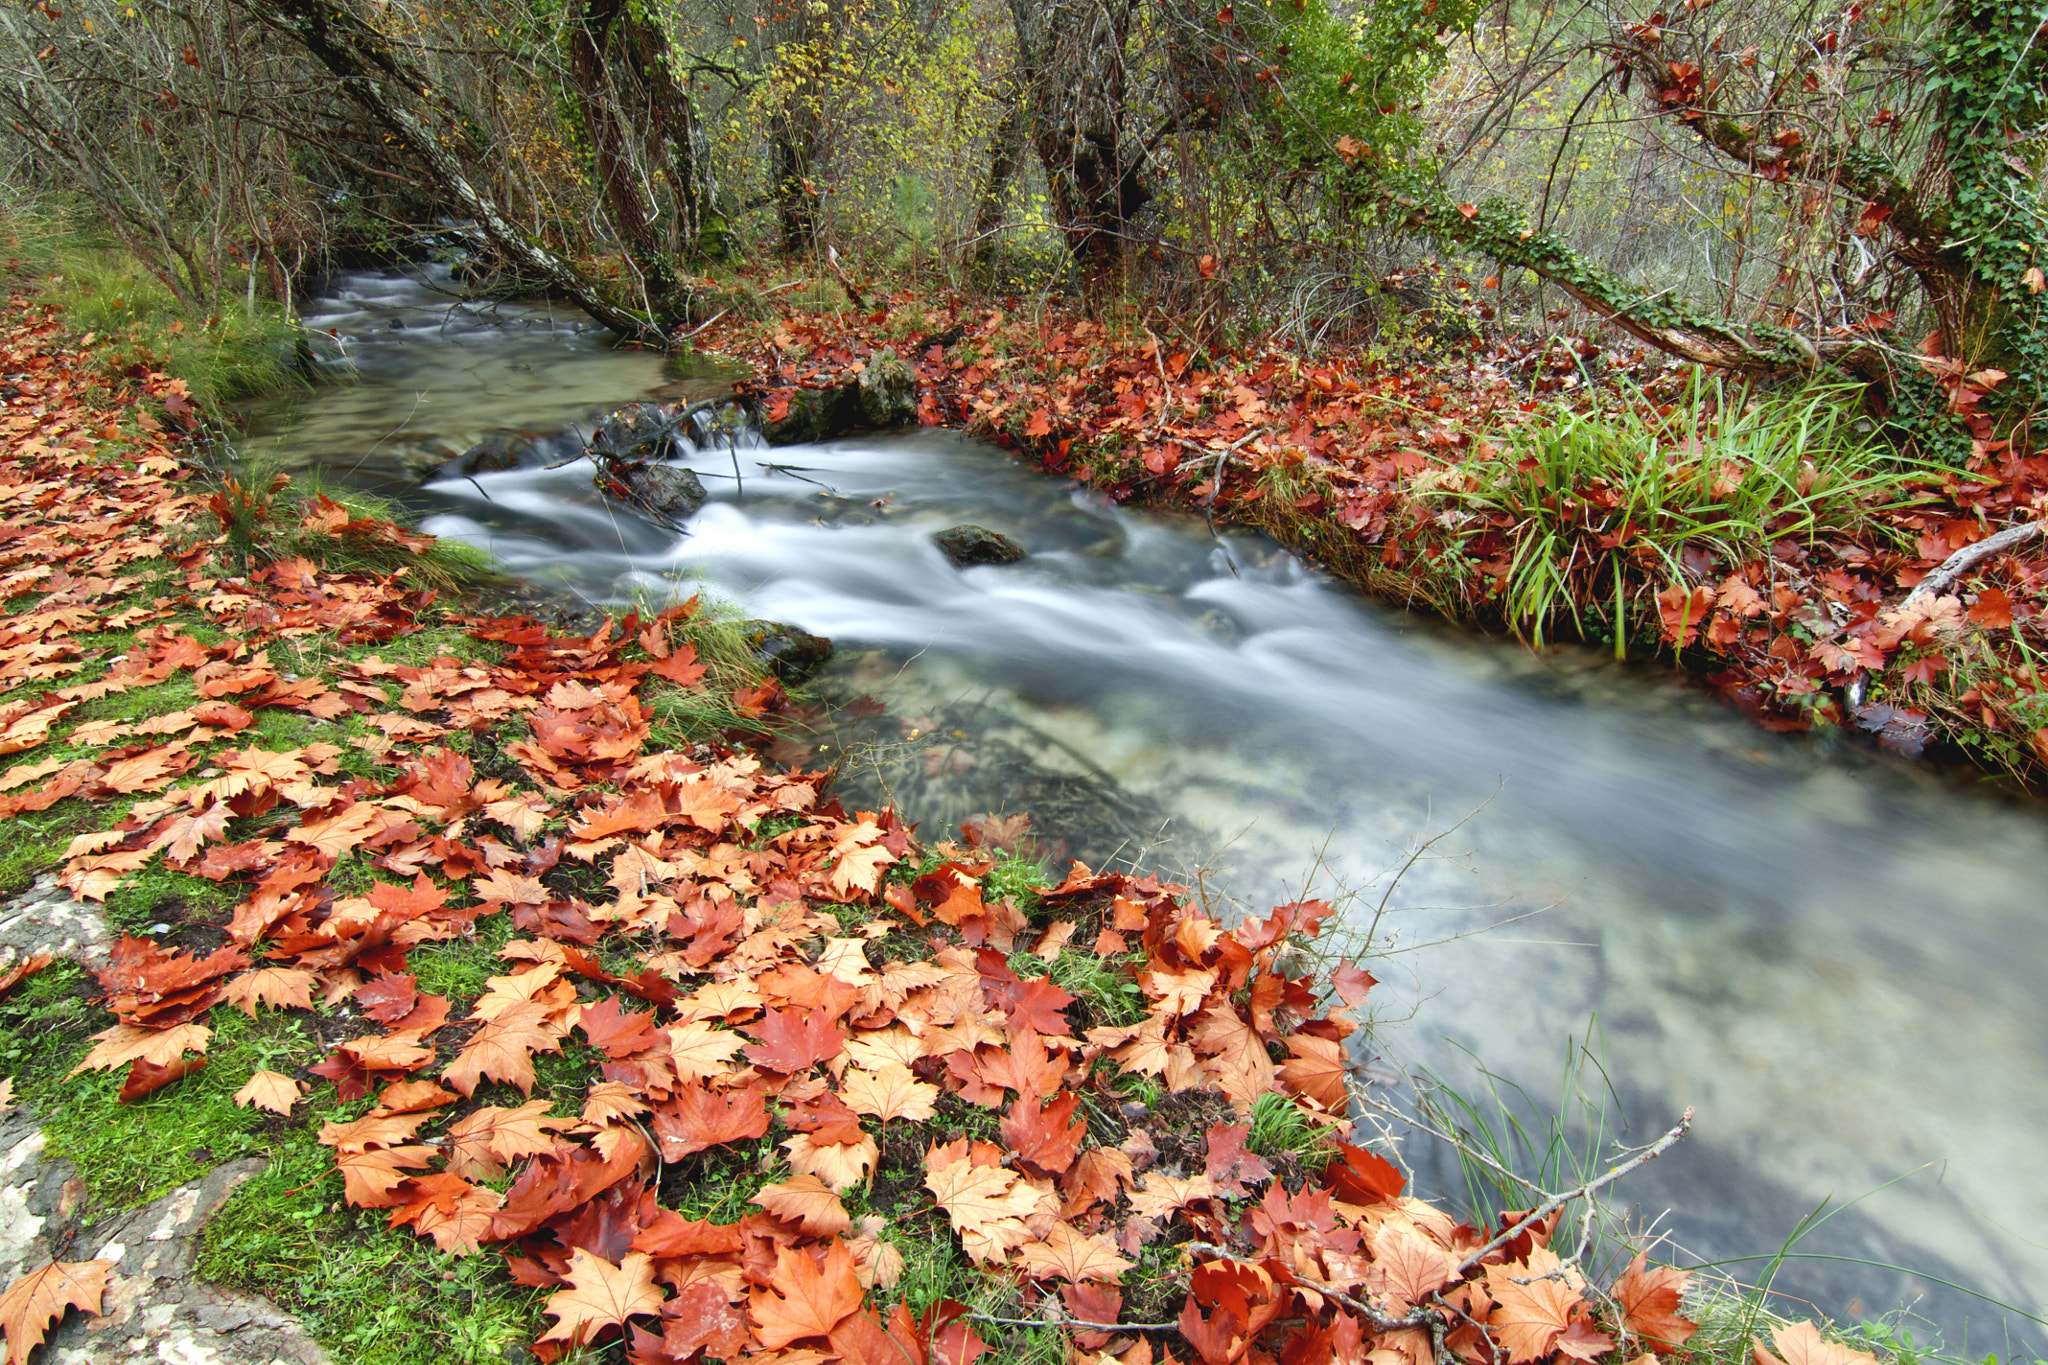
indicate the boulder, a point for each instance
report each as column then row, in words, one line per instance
column 883, row 397
column 669, row 493
column 817, row 415
column 636, row 433
column 888, row 390
column 965, row 545
column 790, row 653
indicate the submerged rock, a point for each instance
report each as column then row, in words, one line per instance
column 792, row 654
column 965, row 545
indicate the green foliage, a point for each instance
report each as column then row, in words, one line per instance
column 1592, row 500
column 237, row 353
column 1358, row 74
column 1989, row 77
column 1279, row 1128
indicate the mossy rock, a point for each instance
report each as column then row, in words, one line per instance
column 790, row 653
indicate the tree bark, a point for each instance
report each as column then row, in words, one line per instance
column 1072, row 65
column 1005, row 151
column 360, row 60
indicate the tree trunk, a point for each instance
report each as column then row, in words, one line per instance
column 1072, row 64
column 644, row 140
column 1005, row 151
column 792, row 143
column 361, row 61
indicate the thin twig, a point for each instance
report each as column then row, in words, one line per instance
column 1076, row 1322
column 1558, row 1201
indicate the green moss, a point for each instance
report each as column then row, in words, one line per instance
column 158, row 895
column 37, row 839
column 368, row 1293
column 130, row 1154
column 460, row 968
column 44, row 1023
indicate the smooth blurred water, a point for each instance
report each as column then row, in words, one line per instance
column 1836, row 957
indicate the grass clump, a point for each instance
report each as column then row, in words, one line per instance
column 1595, row 512
column 236, row 353
column 262, row 516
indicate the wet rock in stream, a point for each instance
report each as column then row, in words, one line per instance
column 965, row 545
column 793, row 655
column 669, row 493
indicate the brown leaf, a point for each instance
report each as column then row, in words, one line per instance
column 502, row 1050
column 1649, row 1297
column 1528, row 1318
column 804, row 1200
column 601, row 1295
column 805, row 1297
column 269, row 1090
column 890, row 1092
column 1065, row 1254
column 1802, row 1344
column 41, row 1297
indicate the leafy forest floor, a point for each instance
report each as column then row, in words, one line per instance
column 1556, row 489
column 533, row 1013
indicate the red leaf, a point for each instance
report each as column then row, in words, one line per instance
column 1044, row 1136
column 696, row 1119
column 795, row 1040
column 1229, row 1165
column 145, row 1077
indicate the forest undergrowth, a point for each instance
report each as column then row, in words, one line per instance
column 558, row 1016
column 1558, row 488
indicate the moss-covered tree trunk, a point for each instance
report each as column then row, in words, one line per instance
column 1072, row 63
column 642, row 133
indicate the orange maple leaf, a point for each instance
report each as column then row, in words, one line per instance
column 41, row 1297
column 805, row 1297
column 601, row 1295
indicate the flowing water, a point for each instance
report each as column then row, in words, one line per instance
column 1836, row 957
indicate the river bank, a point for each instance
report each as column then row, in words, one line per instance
column 210, row 802
column 1755, row 538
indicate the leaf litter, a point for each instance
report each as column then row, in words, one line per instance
column 751, row 971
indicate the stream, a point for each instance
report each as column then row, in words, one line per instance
column 1836, row 956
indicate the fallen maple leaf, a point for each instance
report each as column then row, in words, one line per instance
column 984, row 1202
column 1065, row 1254
column 795, row 1040
column 1802, row 1344
column 41, row 1297
column 269, row 1090
column 889, row 1092
column 277, row 987
column 502, row 1050
column 1528, row 1318
column 124, row 1043
column 805, row 1201
column 805, row 1297
column 601, row 1295
column 1649, row 1297
column 842, row 1165
column 696, row 1119
column 1044, row 1136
